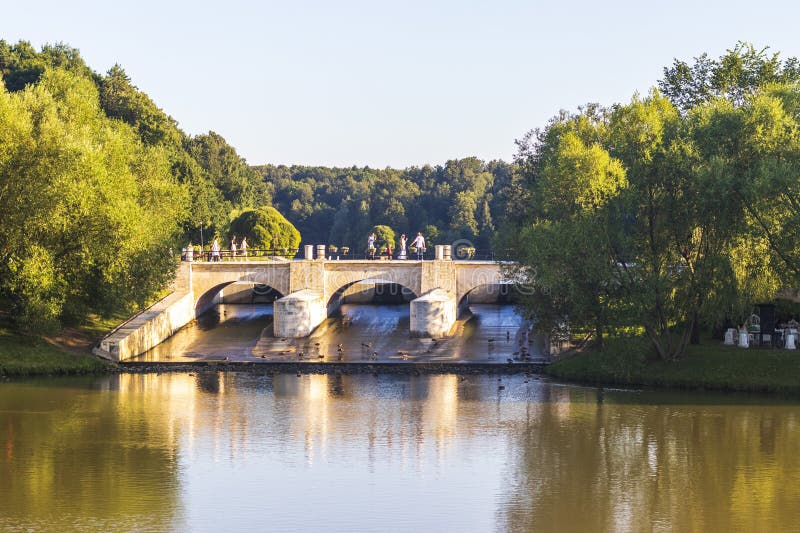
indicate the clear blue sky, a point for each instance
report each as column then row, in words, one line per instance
column 391, row 83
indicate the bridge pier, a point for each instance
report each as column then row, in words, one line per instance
column 433, row 314
column 299, row 313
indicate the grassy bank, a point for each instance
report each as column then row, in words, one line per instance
column 709, row 366
column 66, row 353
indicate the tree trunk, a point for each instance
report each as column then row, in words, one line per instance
column 598, row 329
column 695, row 338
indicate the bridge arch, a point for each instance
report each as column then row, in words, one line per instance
column 208, row 279
column 206, row 300
column 471, row 277
column 339, row 278
column 335, row 298
column 500, row 292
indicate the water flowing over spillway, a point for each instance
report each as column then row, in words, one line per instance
column 359, row 333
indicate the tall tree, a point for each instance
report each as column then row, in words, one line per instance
column 91, row 211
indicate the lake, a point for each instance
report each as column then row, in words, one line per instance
column 250, row 451
column 220, row 451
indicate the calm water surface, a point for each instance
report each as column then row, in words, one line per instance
column 243, row 452
column 212, row 451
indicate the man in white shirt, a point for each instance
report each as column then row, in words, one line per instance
column 419, row 244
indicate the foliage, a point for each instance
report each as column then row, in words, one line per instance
column 463, row 199
column 265, row 228
column 738, row 73
column 97, row 185
column 384, row 237
column 567, row 239
column 89, row 210
column 690, row 215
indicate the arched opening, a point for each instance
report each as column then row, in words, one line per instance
column 231, row 319
column 374, row 291
column 236, row 292
column 501, row 293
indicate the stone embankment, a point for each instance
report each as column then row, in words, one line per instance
column 535, row 367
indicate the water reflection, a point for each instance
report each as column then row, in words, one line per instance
column 225, row 451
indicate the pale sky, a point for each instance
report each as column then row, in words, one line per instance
column 391, row 83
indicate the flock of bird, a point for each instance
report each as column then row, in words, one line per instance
column 368, row 352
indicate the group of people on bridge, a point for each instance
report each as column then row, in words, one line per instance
column 418, row 244
column 216, row 252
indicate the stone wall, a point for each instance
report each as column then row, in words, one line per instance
column 148, row 328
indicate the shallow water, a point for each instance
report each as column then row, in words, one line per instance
column 361, row 333
column 245, row 452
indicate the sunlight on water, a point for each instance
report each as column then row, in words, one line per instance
column 212, row 451
column 361, row 333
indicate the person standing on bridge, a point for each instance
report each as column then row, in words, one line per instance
column 402, row 253
column 419, row 244
column 243, row 247
column 233, row 248
column 371, row 246
column 215, row 250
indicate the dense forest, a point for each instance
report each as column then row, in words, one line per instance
column 463, row 199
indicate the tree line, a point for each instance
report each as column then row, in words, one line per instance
column 677, row 209
column 462, row 199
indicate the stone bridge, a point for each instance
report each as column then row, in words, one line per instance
column 311, row 290
column 308, row 292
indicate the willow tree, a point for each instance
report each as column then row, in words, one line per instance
column 567, row 242
column 681, row 221
column 635, row 218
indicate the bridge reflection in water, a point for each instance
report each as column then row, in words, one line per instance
column 237, row 451
column 359, row 333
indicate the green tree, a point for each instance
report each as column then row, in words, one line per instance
column 565, row 247
column 735, row 75
column 385, row 237
column 265, row 228
column 91, row 211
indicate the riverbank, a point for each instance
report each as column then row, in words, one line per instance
column 708, row 366
column 67, row 352
column 21, row 355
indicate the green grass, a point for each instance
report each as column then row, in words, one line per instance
column 21, row 355
column 710, row 366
